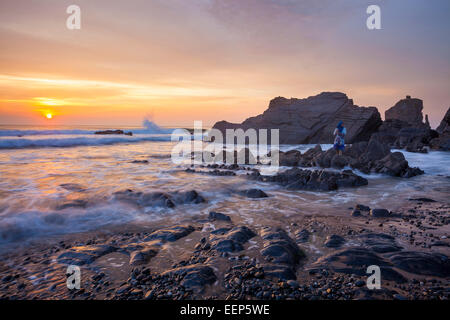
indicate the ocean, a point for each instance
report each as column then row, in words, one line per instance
column 61, row 180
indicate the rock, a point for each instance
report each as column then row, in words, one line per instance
column 372, row 156
column 142, row 256
column 218, row 216
column 140, row 161
column 278, row 271
column 339, row 162
column 230, row 240
column 299, row 179
column 379, row 213
column 302, row 236
column 279, row 248
column 73, row 187
column 293, row 284
column 77, row 203
column 379, row 242
column 404, row 127
column 422, row 199
column 362, row 207
column 334, row 241
column 194, row 277
column 442, row 142
column 159, row 199
column 114, row 132
column 356, row 213
column 360, row 283
column 408, row 110
column 255, row 193
column 355, row 261
column 395, row 165
column 313, row 120
column 82, row 255
column 423, row 263
column 290, row 158
column 170, row 234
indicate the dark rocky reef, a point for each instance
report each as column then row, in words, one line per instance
column 367, row 157
column 114, row 132
column 316, row 180
column 159, row 199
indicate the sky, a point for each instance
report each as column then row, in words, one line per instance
column 176, row 61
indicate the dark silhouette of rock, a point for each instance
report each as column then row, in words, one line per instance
column 254, row 193
column 114, row 132
column 313, row 120
column 408, row 110
column 194, row 277
column 355, row 261
column 84, row 254
column 159, row 199
column 302, row 236
column 424, row 263
column 404, row 127
column 218, row 216
column 170, row 234
column 379, row 213
column 230, row 240
column 362, row 207
column 319, row 180
column 140, row 257
column 281, row 252
column 366, row 157
column 443, row 141
column 334, row 241
column 380, row 242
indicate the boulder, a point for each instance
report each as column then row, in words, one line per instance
column 281, row 252
column 334, row 241
column 194, row 277
column 254, row 193
column 170, row 234
column 379, row 213
column 230, row 240
column 312, row 120
column 423, row 263
column 218, row 216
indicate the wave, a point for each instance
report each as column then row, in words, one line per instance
column 76, row 141
column 148, row 127
column 15, row 133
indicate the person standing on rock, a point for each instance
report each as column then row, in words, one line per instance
column 339, row 142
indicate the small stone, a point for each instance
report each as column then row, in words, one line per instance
column 360, row 283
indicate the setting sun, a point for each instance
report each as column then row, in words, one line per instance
column 49, row 115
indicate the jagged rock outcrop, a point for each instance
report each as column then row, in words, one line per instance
column 443, row 141
column 313, row 120
column 404, row 127
column 408, row 110
column 315, row 180
column 366, row 157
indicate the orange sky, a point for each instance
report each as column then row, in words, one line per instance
column 180, row 61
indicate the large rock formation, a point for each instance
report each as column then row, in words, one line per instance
column 312, row 120
column 408, row 110
column 443, row 141
column 404, row 127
